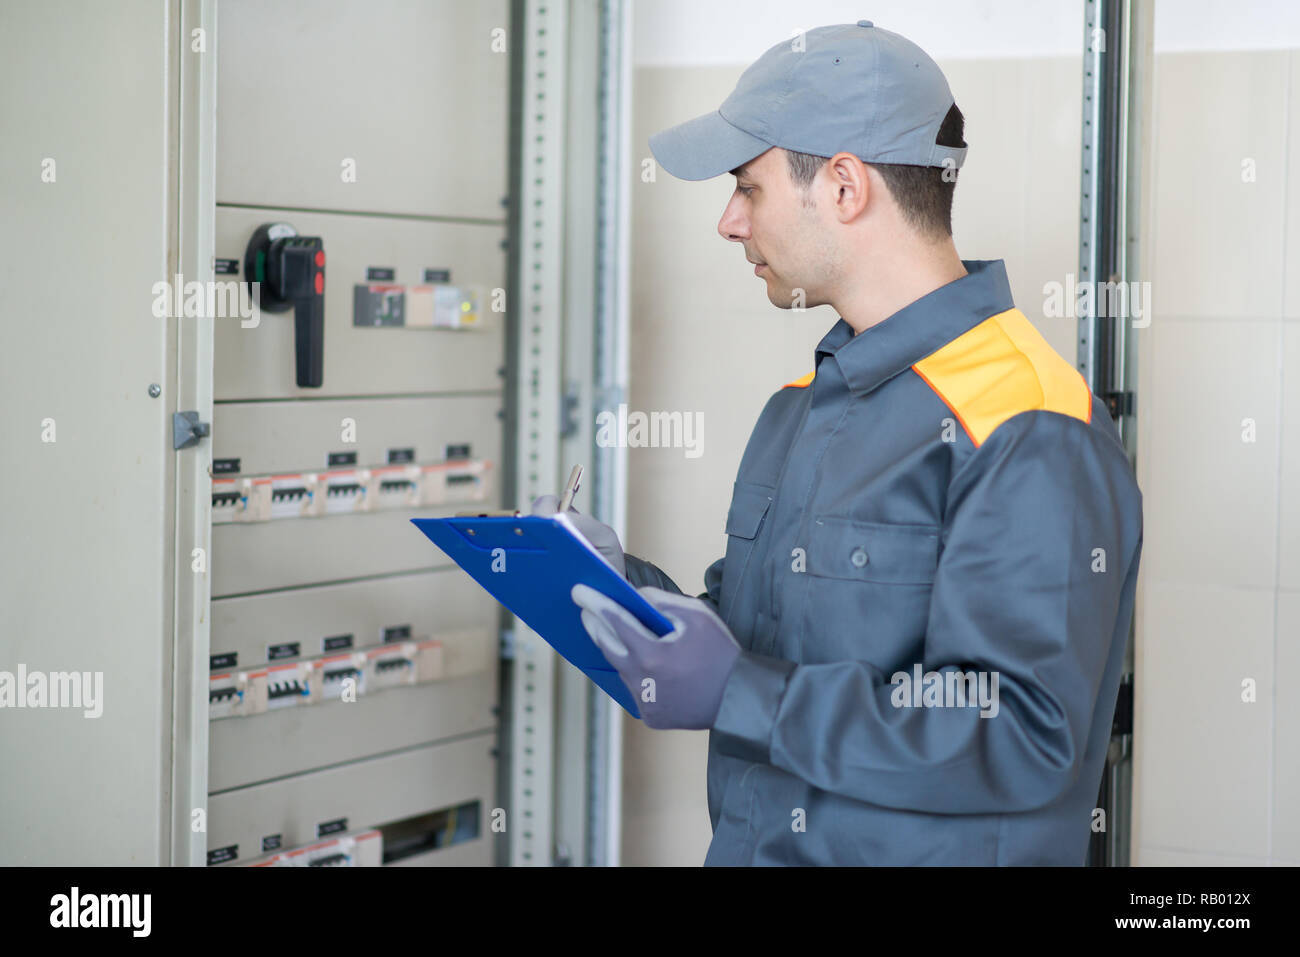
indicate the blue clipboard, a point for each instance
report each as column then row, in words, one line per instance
column 529, row 563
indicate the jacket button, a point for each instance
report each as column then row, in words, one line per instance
column 859, row 557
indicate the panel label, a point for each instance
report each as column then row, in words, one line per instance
column 397, row 633
column 336, row 643
column 290, row 649
column 223, row 854
column 332, row 827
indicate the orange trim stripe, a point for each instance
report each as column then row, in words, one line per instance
column 1000, row 368
column 800, row 382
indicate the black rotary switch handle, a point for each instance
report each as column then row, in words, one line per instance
column 309, row 335
column 296, row 271
column 291, row 270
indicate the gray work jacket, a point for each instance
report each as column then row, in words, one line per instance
column 932, row 552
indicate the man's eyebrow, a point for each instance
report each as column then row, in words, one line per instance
column 740, row 170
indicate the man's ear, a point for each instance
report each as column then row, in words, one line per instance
column 853, row 185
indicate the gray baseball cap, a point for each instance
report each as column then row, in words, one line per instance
column 845, row 88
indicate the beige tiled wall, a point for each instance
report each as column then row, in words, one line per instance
column 705, row 338
column 1217, row 779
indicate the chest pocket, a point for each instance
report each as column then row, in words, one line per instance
column 868, row 592
column 749, row 503
column 873, row 552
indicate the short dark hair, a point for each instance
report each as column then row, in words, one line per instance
column 921, row 192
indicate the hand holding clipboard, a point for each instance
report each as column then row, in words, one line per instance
column 530, row 563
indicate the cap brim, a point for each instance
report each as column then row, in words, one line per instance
column 705, row 147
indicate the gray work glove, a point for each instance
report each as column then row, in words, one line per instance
column 677, row 679
column 598, row 533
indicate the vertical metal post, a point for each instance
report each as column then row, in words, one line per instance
column 1116, row 108
column 568, row 318
column 532, row 413
column 609, row 488
column 1094, row 211
column 575, row 755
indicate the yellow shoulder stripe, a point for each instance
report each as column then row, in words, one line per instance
column 800, row 382
column 1000, row 368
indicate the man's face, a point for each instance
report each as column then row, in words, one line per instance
column 769, row 215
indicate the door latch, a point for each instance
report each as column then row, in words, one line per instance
column 187, row 429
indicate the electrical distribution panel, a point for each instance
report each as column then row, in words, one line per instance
column 353, row 673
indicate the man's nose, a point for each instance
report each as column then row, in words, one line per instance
column 733, row 225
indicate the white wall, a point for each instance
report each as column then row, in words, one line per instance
column 731, row 32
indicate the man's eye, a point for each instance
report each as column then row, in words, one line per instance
column 745, row 190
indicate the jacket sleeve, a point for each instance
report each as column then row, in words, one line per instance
column 641, row 572
column 713, row 584
column 1017, row 594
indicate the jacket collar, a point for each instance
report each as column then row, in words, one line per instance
column 881, row 352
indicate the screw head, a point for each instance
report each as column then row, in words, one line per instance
column 155, row 390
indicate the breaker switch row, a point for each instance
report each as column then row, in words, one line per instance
column 343, row 491
column 346, row 676
column 365, row 849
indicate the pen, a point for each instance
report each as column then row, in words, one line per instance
column 570, row 489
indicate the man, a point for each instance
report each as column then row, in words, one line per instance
column 911, row 650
